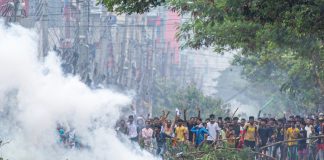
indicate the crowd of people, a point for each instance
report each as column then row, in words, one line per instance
column 68, row 137
column 287, row 138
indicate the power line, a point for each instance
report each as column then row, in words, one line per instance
column 148, row 32
column 78, row 13
column 117, row 26
column 147, row 29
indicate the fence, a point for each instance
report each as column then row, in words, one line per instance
column 281, row 151
column 273, row 151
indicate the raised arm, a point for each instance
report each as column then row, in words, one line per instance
column 166, row 116
column 259, row 114
column 148, row 116
column 162, row 118
column 133, row 110
column 185, row 115
column 284, row 118
column 175, row 120
column 198, row 112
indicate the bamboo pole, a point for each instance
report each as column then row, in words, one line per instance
column 286, row 141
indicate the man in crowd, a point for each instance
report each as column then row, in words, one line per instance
column 213, row 130
column 147, row 135
column 200, row 132
column 190, row 124
column 236, row 129
column 242, row 132
column 168, row 128
column 121, row 127
column 264, row 134
column 232, row 134
column 161, row 139
column 251, row 134
column 181, row 131
column 279, row 135
column 292, row 135
column 132, row 129
column 302, row 145
column 320, row 145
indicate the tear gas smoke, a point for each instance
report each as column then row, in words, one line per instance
column 35, row 96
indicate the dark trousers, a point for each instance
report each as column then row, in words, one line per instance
column 161, row 149
column 275, row 150
column 250, row 144
column 134, row 139
column 292, row 152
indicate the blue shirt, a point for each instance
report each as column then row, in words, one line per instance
column 200, row 134
column 317, row 128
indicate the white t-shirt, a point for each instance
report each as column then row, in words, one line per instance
column 309, row 132
column 212, row 129
column 147, row 133
column 132, row 130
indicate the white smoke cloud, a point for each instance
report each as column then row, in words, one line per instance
column 45, row 96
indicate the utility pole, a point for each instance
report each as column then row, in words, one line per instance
column 16, row 5
column 88, row 10
column 82, row 64
column 123, row 54
column 110, row 51
column 76, row 41
column 152, row 68
column 142, row 63
column 44, row 25
column 131, row 53
column 168, row 62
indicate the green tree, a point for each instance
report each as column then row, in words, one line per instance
column 131, row 6
column 281, row 41
column 169, row 97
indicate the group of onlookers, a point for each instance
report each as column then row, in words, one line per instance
column 292, row 138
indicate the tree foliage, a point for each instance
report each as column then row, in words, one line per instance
column 169, row 97
column 281, row 41
column 260, row 94
column 206, row 152
column 131, row 6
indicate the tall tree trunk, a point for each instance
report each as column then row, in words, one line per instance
column 318, row 67
column 319, row 82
